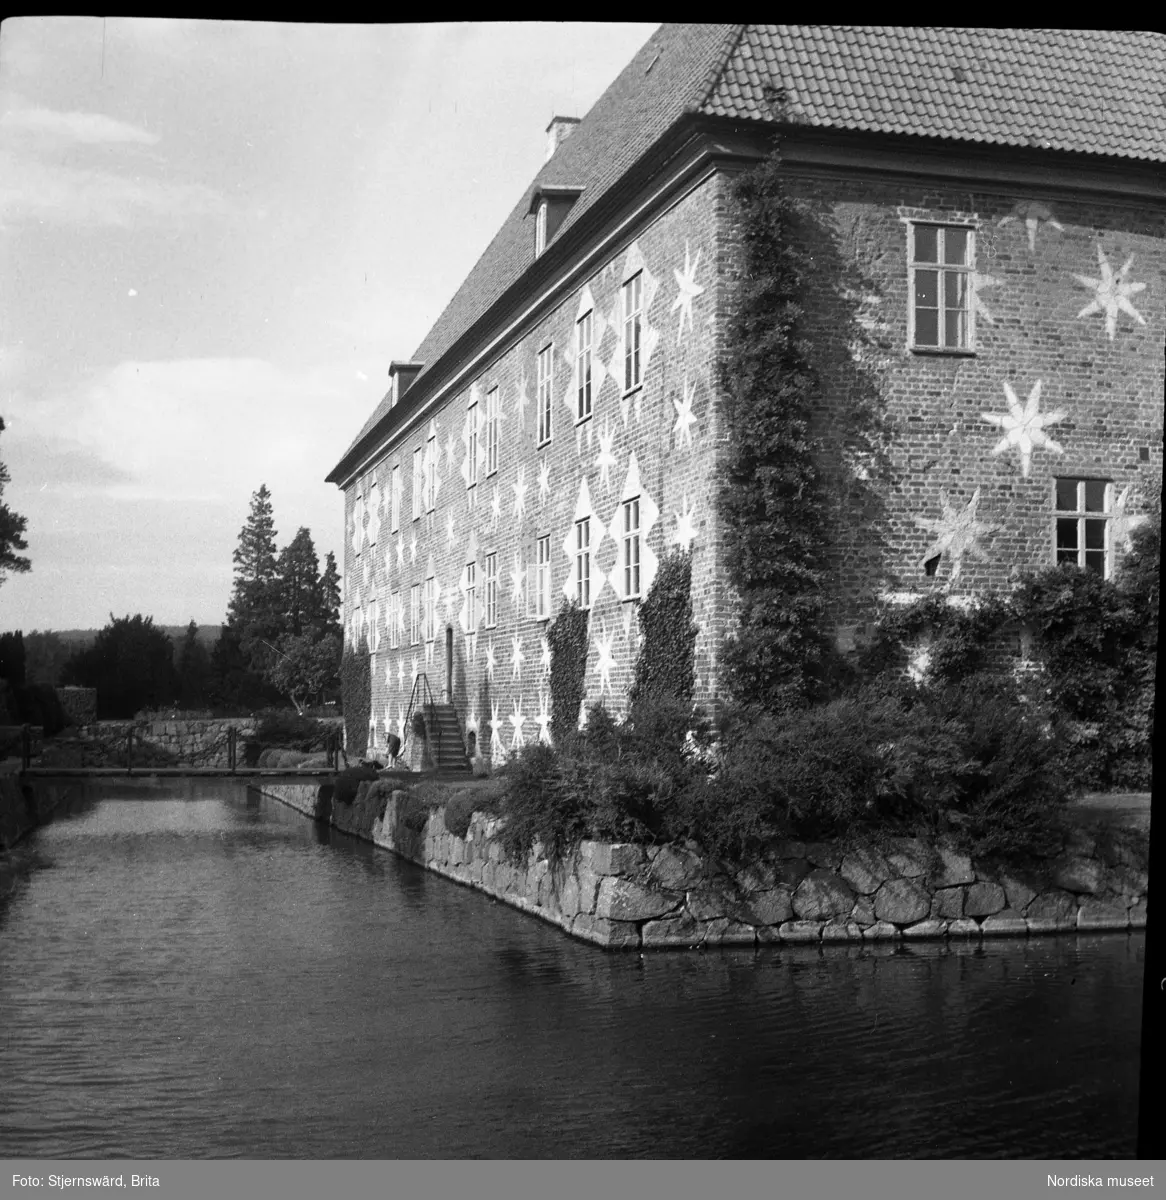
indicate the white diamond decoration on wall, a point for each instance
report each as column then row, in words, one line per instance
column 1112, row 293
column 649, row 514
column 649, row 335
column 584, row 511
column 495, row 508
column 957, row 532
column 449, row 531
column 374, row 513
column 689, row 290
column 1025, row 426
column 544, row 482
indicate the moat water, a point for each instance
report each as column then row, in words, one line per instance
column 195, row 971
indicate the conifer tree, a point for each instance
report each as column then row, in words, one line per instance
column 12, row 527
column 254, row 558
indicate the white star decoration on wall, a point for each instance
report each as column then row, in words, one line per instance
column 957, row 532
column 544, row 481
column 413, row 549
column 606, row 661
column 490, row 660
column 495, row 508
column 401, row 673
column 689, row 290
column 517, row 720
column 1024, row 425
column 543, row 719
column 497, row 749
column 545, row 654
column 516, row 657
column 520, row 489
column 1032, row 213
column 606, row 459
column 685, row 532
column 979, row 282
column 1112, row 293
column 1123, row 524
column 685, row 417
column 416, row 671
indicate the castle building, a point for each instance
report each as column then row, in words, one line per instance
column 986, row 224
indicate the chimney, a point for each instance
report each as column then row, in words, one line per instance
column 558, row 131
column 402, row 375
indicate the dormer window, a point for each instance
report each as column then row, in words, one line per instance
column 550, row 205
column 540, row 230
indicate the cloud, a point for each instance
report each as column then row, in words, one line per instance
column 45, row 461
column 31, row 189
column 205, row 429
column 92, row 129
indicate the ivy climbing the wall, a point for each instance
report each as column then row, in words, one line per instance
column 356, row 697
column 772, row 497
column 666, row 663
column 567, row 638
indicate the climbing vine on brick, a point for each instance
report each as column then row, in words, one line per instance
column 772, row 496
column 356, row 697
column 665, row 664
column 567, row 637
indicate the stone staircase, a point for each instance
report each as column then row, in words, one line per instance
column 445, row 739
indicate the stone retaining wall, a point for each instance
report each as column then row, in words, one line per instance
column 619, row 895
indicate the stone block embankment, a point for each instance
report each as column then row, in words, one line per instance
column 620, row 895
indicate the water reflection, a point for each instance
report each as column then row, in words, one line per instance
column 207, row 975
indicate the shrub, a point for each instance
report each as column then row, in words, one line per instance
column 348, row 783
column 538, row 808
column 665, row 663
column 462, row 803
column 39, row 704
column 283, row 728
column 356, row 698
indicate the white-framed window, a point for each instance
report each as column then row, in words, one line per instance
column 540, row 229
column 492, row 422
column 583, row 562
column 374, row 516
column 472, row 416
column 583, row 338
column 1082, row 535
column 394, row 619
column 631, row 548
column 633, row 332
column 546, row 364
column 418, row 480
column 940, row 264
column 431, row 474
column 415, row 614
column 542, row 579
column 395, row 500
column 471, row 596
column 430, row 609
column 491, row 590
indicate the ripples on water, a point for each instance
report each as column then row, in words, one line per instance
column 208, row 974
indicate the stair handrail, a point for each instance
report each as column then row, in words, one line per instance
column 430, row 707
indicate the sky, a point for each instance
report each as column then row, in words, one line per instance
column 214, row 238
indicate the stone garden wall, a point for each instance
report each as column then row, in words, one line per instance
column 619, row 895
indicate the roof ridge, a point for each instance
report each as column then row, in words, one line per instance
column 704, row 89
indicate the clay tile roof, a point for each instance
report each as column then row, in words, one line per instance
column 1085, row 91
